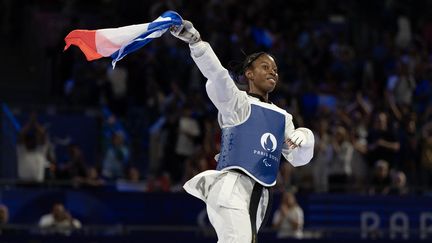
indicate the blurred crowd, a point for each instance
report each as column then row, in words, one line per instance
column 58, row 221
column 358, row 73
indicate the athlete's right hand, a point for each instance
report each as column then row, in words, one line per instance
column 186, row 32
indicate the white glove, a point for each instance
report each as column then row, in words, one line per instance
column 298, row 138
column 186, row 32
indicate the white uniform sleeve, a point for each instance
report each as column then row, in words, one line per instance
column 231, row 102
column 300, row 155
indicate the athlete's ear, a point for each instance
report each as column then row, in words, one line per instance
column 249, row 74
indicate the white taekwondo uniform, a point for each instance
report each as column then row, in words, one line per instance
column 227, row 191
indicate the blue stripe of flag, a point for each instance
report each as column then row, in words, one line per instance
column 175, row 19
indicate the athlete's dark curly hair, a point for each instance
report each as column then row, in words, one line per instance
column 237, row 69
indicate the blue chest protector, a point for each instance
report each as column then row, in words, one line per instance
column 255, row 146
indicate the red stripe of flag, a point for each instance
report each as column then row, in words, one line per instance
column 86, row 41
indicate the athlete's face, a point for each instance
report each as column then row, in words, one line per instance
column 262, row 75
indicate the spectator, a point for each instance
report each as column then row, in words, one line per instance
column 162, row 183
column 116, row 157
column 400, row 87
column 4, row 214
column 188, row 131
column 169, row 136
column 118, row 80
column 341, row 164
column 32, row 151
column 285, row 178
column 59, row 221
column 358, row 139
column 75, row 168
column 132, row 182
column 409, row 154
column 380, row 183
column 426, row 157
column 399, row 184
column 404, row 35
column 197, row 163
column 382, row 141
column 288, row 218
column 93, row 178
column 4, row 218
column 324, row 154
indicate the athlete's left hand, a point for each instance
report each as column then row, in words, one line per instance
column 296, row 139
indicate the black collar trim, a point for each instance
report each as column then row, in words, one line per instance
column 259, row 97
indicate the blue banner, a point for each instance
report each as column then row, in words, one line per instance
column 350, row 216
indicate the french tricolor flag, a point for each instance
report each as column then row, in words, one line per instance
column 118, row 42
